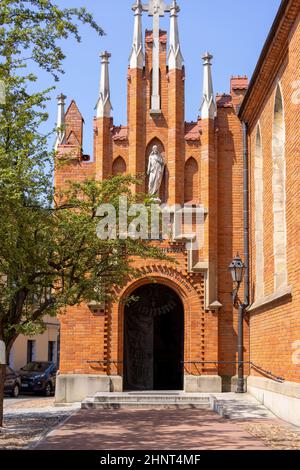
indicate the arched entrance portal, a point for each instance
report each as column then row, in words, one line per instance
column 154, row 339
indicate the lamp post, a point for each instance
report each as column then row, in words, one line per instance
column 237, row 270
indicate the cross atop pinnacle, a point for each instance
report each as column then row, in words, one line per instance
column 156, row 9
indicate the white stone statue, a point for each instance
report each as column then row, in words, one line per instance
column 156, row 166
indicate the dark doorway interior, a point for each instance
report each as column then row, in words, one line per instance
column 154, row 340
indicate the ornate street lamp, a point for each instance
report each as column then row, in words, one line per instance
column 237, row 270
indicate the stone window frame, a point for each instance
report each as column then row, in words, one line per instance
column 279, row 190
column 259, row 213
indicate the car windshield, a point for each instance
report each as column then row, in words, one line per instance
column 36, row 366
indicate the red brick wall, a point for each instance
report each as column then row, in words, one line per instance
column 275, row 328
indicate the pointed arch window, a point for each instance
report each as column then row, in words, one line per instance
column 119, row 166
column 279, row 192
column 259, row 215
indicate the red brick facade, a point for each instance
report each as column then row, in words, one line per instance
column 204, row 161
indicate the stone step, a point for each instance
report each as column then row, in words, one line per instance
column 150, row 399
column 91, row 404
column 153, row 400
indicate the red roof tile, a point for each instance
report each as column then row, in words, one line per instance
column 120, row 133
column 192, row 131
column 224, row 101
column 239, row 83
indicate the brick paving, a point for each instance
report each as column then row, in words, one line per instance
column 150, row 429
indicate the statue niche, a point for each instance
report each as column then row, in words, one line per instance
column 156, row 171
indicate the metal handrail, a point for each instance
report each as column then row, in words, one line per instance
column 276, row 378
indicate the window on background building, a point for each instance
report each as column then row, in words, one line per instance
column 52, row 351
column 259, row 215
column 279, row 194
column 11, row 359
column 31, row 350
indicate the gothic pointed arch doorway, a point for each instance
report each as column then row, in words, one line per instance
column 153, row 340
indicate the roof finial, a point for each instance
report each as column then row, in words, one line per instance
column 175, row 60
column 208, row 107
column 103, row 106
column 60, row 124
column 137, row 55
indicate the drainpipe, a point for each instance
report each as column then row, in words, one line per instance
column 245, row 303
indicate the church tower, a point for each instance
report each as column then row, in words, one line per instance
column 186, row 339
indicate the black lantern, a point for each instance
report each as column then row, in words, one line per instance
column 237, row 269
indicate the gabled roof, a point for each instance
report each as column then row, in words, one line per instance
column 73, row 108
column 270, row 59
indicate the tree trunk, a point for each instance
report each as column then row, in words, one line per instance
column 2, row 380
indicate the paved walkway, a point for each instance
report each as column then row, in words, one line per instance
column 150, row 429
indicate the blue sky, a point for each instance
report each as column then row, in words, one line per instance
column 234, row 31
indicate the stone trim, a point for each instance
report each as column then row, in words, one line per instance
column 280, row 294
column 290, row 389
column 283, row 399
column 202, row 384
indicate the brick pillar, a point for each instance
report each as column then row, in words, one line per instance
column 209, row 185
column 176, row 136
column 136, row 122
column 103, row 147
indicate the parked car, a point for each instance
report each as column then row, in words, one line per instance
column 12, row 385
column 38, row 377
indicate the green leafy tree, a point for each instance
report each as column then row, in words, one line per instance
column 50, row 256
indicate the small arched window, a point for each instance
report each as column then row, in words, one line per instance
column 191, row 183
column 119, row 166
column 279, row 192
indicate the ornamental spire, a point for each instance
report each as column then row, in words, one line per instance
column 103, row 106
column 137, row 54
column 60, row 123
column 156, row 9
column 175, row 60
column 208, row 107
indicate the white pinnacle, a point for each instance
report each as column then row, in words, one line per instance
column 175, row 59
column 137, row 55
column 208, row 107
column 103, row 106
column 60, row 124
